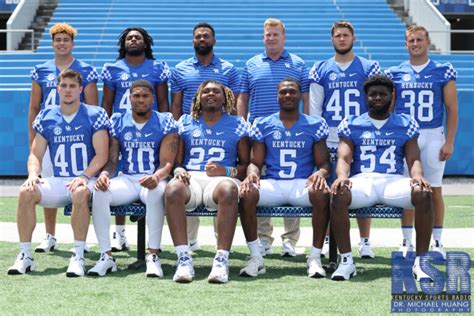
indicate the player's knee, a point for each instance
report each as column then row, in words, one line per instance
column 227, row 192
column 340, row 200
column 175, row 193
column 154, row 196
column 249, row 197
column 26, row 196
column 319, row 196
column 81, row 195
column 421, row 198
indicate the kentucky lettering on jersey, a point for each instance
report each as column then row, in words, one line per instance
column 289, row 151
column 378, row 150
column 140, row 148
column 119, row 76
column 46, row 76
column 343, row 89
column 217, row 143
column 421, row 94
column 70, row 144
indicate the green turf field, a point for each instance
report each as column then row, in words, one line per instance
column 459, row 214
column 284, row 289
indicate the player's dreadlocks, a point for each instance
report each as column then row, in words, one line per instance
column 229, row 99
column 146, row 38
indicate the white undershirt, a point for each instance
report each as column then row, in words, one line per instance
column 378, row 123
column 69, row 118
column 419, row 68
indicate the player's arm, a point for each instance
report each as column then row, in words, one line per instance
column 103, row 181
column 162, row 97
column 257, row 158
column 321, row 158
column 412, row 157
column 108, row 99
column 243, row 150
column 91, row 95
column 38, row 148
column 177, row 104
column 34, row 108
column 179, row 172
column 345, row 150
column 305, row 98
column 451, row 104
column 242, row 104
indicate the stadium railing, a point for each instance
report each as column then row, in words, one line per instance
column 137, row 213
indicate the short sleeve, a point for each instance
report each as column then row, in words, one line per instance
column 101, row 121
column 256, row 130
column 343, row 129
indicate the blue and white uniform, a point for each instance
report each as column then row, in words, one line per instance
column 70, row 144
column 419, row 93
column 140, row 149
column 119, row 76
column 378, row 159
column 204, row 144
column 288, row 157
column 189, row 74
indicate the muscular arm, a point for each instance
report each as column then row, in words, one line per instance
column 108, row 99
column 38, row 148
column 305, row 98
column 242, row 105
column 412, row 156
column 111, row 164
column 243, row 150
column 100, row 142
column 321, row 158
column 34, row 108
column 451, row 104
column 177, row 105
column 345, row 151
column 162, row 97
column 180, row 154
column 168, row 151
column 91, row 96
column 257, row 158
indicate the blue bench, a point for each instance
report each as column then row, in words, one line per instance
column 137, row 213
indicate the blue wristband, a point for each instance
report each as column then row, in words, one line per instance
column 85, row 176
column 227, row 171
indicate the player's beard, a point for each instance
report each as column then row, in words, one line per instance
column 203, row 50
column 382, row 110
column 142, row 114
column 135, row 51
column 343, row 51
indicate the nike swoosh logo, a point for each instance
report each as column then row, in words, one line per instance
column 388, row 134
column 298, row 134
column 352, row 75
column 147, row 135
column 77, row 127
column 145, row 75
column 219, row 133
column 426, row 77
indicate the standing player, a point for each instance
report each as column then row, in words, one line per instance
column 44, row 94
column 371, row 150
column 336, row 92
column 147, row 140
column 211, row 142
column 424, row 89
column 185, row 80
column 259, row 86
column 135, row 62
column 77, row 137
column 290, row 144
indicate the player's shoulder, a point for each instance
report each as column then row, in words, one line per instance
column 441, row 65
column 312, row 119
column 49, row 64
column 354, row 120
column 185, row 119
column 402, row 119
column 267, row 120
column 93, row 110
column 82, row 64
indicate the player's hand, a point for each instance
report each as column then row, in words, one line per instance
column 76, row 182
column 150, row 181
column 339, row 184
column 183, row 177
column 422, row 183
column 251, row 182
column 316, row 182
column 103, row 182
column 31, row 182
column 446, row 152
column 214, row 169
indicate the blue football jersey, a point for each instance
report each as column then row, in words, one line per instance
column 217, row 143
column 119, row 76
column 289, row 151
column 46, row 76
column 378, row 150
column 70, row 144
column 343, row 89
column 140, row 148
column 421, row 94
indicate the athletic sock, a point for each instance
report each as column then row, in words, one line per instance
column 254, row 248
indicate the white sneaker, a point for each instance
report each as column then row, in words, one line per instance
column 344, row 271
column 315, row 268
column 184, row 271
column 87, row 249
column 103, row 266
column 438, row 247
column 119, row 242
column 418, row 274
column 47, row 244
column 23, row 264
column 365, row 251
column 288, row 250
column 405, row 247
column 220, row 270
column 254, row 267
column 153, row 266
column 76, row 267
column 325, row 249
column 265, row 248
column 194, row 245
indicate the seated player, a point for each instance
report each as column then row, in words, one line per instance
column 147, row 141
column 290, row 144
column 211, row 142
column 371, row 150
column 77, row 138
